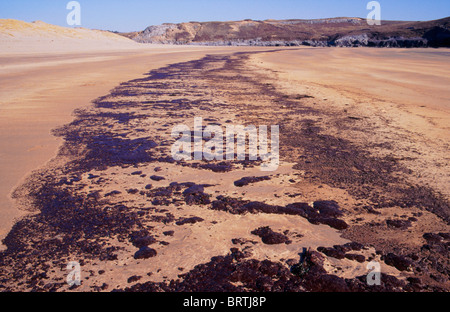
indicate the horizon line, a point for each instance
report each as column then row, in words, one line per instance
column 222, row 21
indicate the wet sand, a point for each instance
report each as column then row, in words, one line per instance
column 406, row 89
column 414, row 80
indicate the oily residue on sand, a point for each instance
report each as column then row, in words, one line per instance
column 109, row 197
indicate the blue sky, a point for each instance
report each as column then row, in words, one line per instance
column 128, row 15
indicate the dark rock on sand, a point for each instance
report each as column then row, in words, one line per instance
column 112, row 193
column 141, row 238
column 193, row 190
column 327, row 283
column 432, row 238
column 166, row 219
column 230, row 273
column 359, row 258
column 332, row 222
column 399, row 262
column 270, row 237
column 134, row 279
column 301, row 209
column 248, row 180
column 314, row 276
column 235, row 272
column 145, row 253
column 255, row 207
column 162, row 192
column 399, row 224
column 332, row 252
column 242, row 241
column 353, row 246
column 157, row 178
column 169, row 233
column 218, row 167
column 328, row 208
column 195, row 195
column 228, row 204
column 144, row 241
column 189, row 221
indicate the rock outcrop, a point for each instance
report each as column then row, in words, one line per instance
column 340, row 32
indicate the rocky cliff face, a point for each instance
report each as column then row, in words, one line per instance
column 342, row 32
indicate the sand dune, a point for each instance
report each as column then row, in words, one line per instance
column 39, row 37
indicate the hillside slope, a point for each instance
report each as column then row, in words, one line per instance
column 321, row 32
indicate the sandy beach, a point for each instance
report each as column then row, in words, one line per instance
column 405, row 89
column 85, row 149
column 30, row 109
